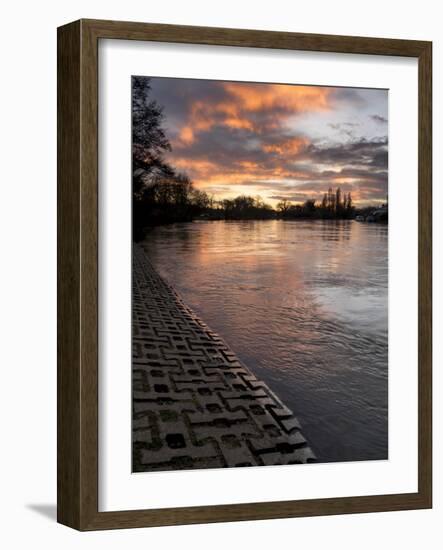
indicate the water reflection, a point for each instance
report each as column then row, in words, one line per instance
column 304, row 305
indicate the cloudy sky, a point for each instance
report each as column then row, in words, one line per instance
column 278, row 141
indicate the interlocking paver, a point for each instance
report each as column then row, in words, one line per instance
column 195, row 404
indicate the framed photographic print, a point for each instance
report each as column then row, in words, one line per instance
column 244, row 275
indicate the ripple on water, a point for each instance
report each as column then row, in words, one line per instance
column 304, row 305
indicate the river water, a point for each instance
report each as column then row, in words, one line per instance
column 304, row 304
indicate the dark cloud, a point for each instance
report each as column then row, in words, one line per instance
column 379, row 119
column 380, row 159
column 344, row 128
column 358, row 152
column 177, row 95
column 348, row 96
column 293, row 197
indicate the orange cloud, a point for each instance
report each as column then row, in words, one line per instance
column 186, row 135
column 238, row 122
column 198, row 169
column 290, row 146
column 277, row 96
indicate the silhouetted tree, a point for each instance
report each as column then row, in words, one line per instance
column 283, row 207
column 160, row 194
column 149, row 141
column 246, row 207
column 349, row 204
column 331, row 202
column 324, row 202
column 338, row 203
column 309, row 207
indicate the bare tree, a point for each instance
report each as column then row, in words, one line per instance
column 283, row 206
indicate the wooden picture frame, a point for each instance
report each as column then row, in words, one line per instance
column 78, row 273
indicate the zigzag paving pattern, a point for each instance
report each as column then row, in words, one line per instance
column 195, row 405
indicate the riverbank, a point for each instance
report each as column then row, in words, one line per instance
column 195, row 405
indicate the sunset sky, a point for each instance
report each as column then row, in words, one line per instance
column 277, row 141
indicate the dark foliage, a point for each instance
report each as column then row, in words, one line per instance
column 334, row 206
column 246, row 208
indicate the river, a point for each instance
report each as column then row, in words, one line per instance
column 304, row 304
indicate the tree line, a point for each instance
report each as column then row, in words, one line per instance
column 334, row 205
